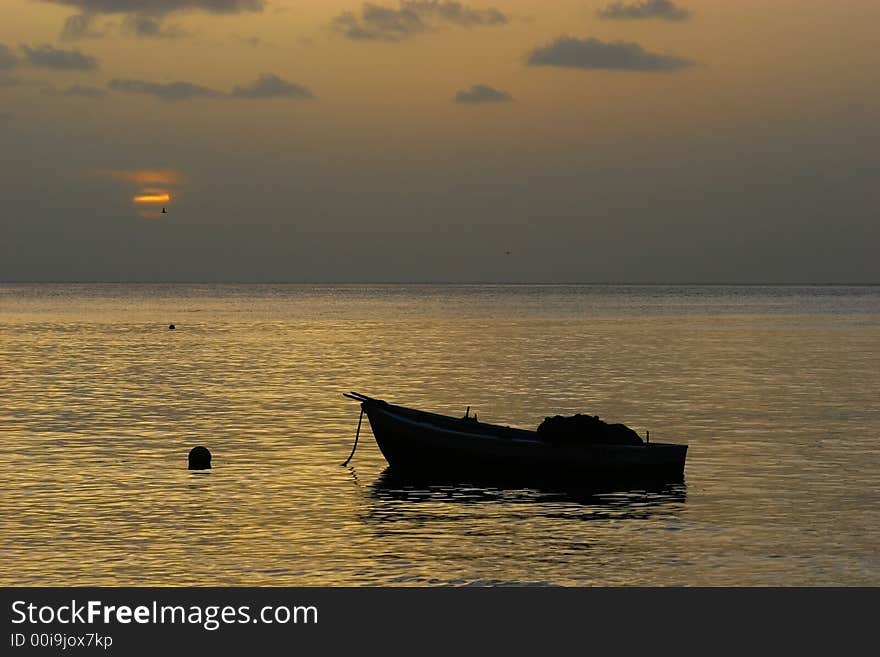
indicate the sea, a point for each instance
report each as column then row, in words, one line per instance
column 776, row 390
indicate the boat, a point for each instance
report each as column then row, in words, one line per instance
column 416, row 441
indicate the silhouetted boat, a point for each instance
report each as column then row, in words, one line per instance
column 418, row 441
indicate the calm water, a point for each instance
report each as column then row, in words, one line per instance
column 775, row 389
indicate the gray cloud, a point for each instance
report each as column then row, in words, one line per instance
column 411, row 17
column 7, row 58
column 456, row 12
column 165, row 91
column 80, row 26
column 144, row 18
column 266, row 86
column 570, row 52
column 663, row 9
column 84, row 91
column 482, row 93
column 47, row 56
column 271, row 86
column 150, row 27
column 158, row 7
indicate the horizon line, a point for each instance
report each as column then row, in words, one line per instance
column 462, row 283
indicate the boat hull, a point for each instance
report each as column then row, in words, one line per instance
column 413, row 441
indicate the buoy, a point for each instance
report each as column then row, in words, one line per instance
column 171, row 327
column 199, row 458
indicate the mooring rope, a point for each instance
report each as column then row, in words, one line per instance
column 356, row 436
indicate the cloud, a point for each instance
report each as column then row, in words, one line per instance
column 7, row 58
column 159, row 7
column 411, row 17
column 570, row 52
column 80, row 26
column 482, row 93
column 165, row 91
column 50, row 57
column 144, row 176
column 150, row 27
column 264, row 87
column 85, row 91
column 46, row 56
column 663, row 9
column 144, row 17
column 271, row 86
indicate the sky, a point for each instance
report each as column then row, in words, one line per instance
column 591, row 141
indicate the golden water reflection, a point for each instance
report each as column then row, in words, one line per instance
column 775, row 391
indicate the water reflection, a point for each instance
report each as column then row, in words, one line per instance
column 775, row 389
column 635, row 498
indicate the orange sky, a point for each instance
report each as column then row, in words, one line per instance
column 753, row 58
column 284, row 95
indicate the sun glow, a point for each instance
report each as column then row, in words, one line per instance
column 153, row 198
column 145, row 176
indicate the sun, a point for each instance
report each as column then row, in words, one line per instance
column 151, row 197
